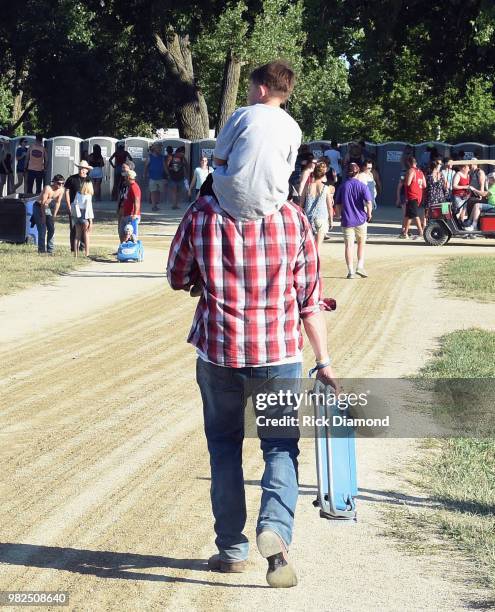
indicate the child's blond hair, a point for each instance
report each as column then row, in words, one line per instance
column 87, row 188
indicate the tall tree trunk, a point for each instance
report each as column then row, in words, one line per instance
column 191, row 110
column 19, row 113
column 230, row 87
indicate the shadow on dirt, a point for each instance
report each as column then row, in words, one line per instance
column 106, row 564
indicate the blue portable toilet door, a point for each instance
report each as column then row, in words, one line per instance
column 389, row 161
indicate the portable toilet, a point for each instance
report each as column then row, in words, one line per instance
column 63, row 153
column 443, row 149
column 15, row 143
column 138, row 148
column 107, row 144
column 318, row 147
column 370, row 149
column 473, row 149
column 389, row 158
column 343, row 150
column 492, row 156
column 200, row 148
column 6, row 143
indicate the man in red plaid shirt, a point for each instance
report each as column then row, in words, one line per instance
column 258, row 281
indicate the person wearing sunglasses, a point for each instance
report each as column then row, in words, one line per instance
column 45, row 211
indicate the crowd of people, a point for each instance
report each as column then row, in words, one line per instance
column 433, row 180
column 165, row 172
column 77, row 192
column 334, row 187
column 30, row 165
column 422, row 185
column 314, row 182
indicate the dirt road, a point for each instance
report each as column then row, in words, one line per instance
column 105, row 475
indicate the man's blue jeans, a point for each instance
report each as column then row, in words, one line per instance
column 32, row 176
column 46, row 230
column 222, row 391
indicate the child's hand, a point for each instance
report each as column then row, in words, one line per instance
column 196, row 289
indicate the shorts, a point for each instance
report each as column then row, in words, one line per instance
column 321, row 225
column 412, row 209
column 485, row 207
column 81, row 221
column 96, row 173
column 156, row 185
column 360, row 232
column 124, row 220
column 179, row 183
column 458, row 202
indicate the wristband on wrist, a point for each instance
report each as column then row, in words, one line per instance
column 319, row 366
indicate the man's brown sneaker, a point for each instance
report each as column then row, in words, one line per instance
column 280, row 572
column 228, row 567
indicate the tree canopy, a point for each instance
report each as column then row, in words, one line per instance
column 390, row 69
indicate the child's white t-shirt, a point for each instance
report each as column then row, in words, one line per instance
column 260, row 144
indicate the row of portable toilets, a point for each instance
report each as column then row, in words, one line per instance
column 64, row 152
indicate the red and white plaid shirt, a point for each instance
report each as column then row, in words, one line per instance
column 259, row 279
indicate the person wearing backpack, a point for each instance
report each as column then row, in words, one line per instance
column 176, row 175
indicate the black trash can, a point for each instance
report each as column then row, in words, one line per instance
column 13, row 220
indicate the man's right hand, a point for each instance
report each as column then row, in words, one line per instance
column 327, row 377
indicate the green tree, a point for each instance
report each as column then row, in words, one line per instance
column 408, row 61
column 275, row 31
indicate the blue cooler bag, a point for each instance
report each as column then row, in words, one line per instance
column 131, row 251
column 335, row 447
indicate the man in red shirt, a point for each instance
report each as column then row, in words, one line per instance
column 415, row 186
column 259, row 284
column 131, row 207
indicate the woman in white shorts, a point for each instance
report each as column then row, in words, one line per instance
column 318, row 203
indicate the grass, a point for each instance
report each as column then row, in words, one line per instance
column 22, row 266
column 470, row 277
column 458, row 474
